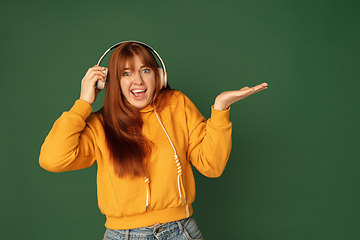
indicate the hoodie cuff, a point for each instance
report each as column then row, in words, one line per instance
column 82, row 108
column 220, row 118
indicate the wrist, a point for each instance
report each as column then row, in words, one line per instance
column 86, row 99
column 220, row 107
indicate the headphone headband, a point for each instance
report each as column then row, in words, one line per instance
column 163, row 74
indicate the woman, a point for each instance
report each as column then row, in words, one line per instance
column 144, row 141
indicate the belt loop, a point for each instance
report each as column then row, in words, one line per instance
column 127, row 234
column 180, row 227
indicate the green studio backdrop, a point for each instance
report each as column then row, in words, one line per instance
column 294, row 169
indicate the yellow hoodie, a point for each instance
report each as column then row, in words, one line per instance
column 181, row 137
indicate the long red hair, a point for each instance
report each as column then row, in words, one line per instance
column 122, row 122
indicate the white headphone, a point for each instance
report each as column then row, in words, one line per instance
column 162, row 70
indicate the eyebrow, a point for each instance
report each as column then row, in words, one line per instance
column 143, row 66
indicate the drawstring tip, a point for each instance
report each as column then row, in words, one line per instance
column 147, row 207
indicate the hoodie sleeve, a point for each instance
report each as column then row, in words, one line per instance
column 209, row 141
column 70, row 143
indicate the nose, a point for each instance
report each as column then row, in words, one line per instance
column 137, row 78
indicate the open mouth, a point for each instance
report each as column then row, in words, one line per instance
column 138, row 92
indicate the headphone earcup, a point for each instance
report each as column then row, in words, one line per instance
column 162, row 79
column 100, row 84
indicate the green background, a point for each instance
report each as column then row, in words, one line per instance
column 294, row 169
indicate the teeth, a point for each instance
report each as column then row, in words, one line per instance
column 138, row 91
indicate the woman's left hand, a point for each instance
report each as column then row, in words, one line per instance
column 225, row 99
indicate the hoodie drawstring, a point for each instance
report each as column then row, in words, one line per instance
column 147, row 181
column 178, row 165
column 180, row 182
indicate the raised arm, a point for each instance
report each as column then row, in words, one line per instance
column 70, row 143
column 210, row 143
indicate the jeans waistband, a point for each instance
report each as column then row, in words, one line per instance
column 158, row 230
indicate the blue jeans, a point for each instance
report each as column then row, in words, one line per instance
column 185, row 229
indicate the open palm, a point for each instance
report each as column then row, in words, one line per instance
column 225, row 99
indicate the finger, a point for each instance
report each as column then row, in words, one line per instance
column 242, row 93
column 94, row 69
column 246, row 91
column 93, row 76
column 98, row 74
column 259, row 87
column 263, row 86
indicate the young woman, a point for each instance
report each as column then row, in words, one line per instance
column 144, row 141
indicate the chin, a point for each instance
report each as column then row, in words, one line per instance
column 140, row 105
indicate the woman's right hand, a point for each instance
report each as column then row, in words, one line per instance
column 88, row 90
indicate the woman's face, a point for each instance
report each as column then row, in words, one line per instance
column 138, row 87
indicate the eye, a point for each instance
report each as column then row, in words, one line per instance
column 146, row 70
column 127, row 74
